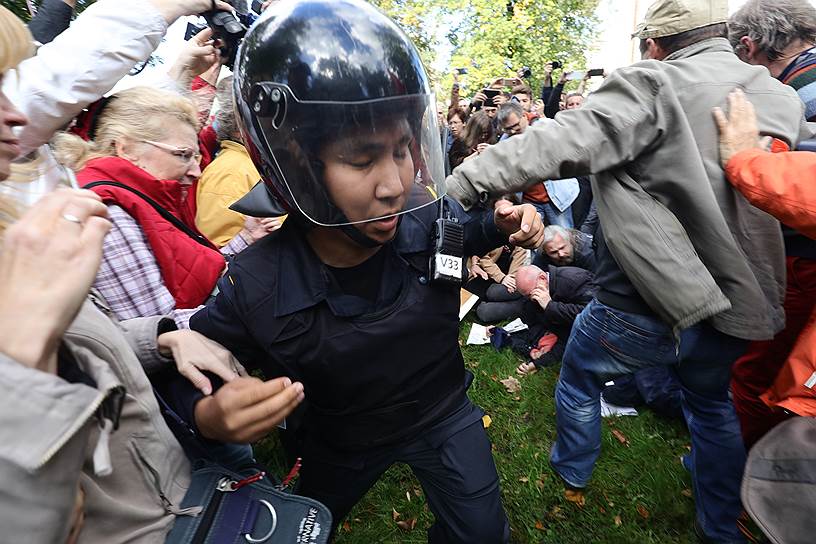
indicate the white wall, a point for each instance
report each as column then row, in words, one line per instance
column 615, row 47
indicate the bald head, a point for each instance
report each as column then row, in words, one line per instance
column 528, row 277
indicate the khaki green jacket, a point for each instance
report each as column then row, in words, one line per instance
column 692, row 246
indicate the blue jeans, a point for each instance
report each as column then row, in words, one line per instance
column 606, row 343
column 551, row 215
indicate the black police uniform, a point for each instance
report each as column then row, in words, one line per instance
column 376, row 347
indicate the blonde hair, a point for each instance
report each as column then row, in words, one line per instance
column 140, row 113
column 16, row 43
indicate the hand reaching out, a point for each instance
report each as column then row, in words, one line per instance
column 194, row 353
column 247, row 409
column 521, row 222
column 198, row 55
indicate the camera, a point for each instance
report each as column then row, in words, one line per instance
column 556, row 64
column 526, row 73
column 228, row 28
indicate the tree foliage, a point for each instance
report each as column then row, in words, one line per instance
column 488, row 37
column 496, row 38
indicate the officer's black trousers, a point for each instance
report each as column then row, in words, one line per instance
column 458, row 477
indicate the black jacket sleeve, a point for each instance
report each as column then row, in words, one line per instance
column 220, row 321
column 552, row 104
column 546, row 92
column 52, row 18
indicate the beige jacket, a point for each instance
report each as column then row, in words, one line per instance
column 488, row 263
column 692, row 246
column 50, row 441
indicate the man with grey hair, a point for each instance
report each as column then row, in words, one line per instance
column 688, row 272
column 565, row 247
column 512, row 119
column 227, row 178
column 780, row 35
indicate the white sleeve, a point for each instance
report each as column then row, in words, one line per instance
column 82, row 64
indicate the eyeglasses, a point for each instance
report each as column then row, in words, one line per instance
column 513, row 129
column 182, row 153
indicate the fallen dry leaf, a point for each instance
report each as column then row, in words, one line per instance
column 539, row 525
column 395, row 515
column 642, row 511
column 407, row 525
column 540, row 484
column 602, row 510
column 555, row 514
column 347, row 526
column 620, row 437
column 524, row 479
column 408, row 495
column 486, row 421
column 511, row 384
column 417, row 492
column 618, row 521
column 686, row 493
column 575, row 496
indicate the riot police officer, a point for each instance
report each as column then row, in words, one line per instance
column 356, row 297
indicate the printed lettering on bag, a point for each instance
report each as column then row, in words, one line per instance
column 309, row 528
column 811, row 381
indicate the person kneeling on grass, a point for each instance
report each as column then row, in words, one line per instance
column 554, row 300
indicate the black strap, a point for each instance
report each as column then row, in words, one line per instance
column 156, row 206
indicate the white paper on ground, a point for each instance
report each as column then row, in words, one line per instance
column 609, row 410
column 478, row 335
column 515, row 326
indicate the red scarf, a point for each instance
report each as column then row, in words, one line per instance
column 189, row 269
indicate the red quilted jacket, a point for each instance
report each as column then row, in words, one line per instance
column 189, row 268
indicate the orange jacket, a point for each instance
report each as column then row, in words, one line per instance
column 782, row 184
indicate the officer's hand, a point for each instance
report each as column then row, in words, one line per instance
column 247, row 409
column 522, row 223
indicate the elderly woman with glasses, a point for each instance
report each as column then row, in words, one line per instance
column 142, row 159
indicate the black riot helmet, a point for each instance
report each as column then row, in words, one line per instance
column 311, row 73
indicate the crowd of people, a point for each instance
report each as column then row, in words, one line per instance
column 281, row 249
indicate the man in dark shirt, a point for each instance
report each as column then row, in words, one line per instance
column 357, row 296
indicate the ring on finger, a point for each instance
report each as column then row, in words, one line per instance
column 72, row 218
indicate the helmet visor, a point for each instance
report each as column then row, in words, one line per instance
column 344, row 163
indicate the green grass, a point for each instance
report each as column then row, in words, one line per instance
column 639, row 493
